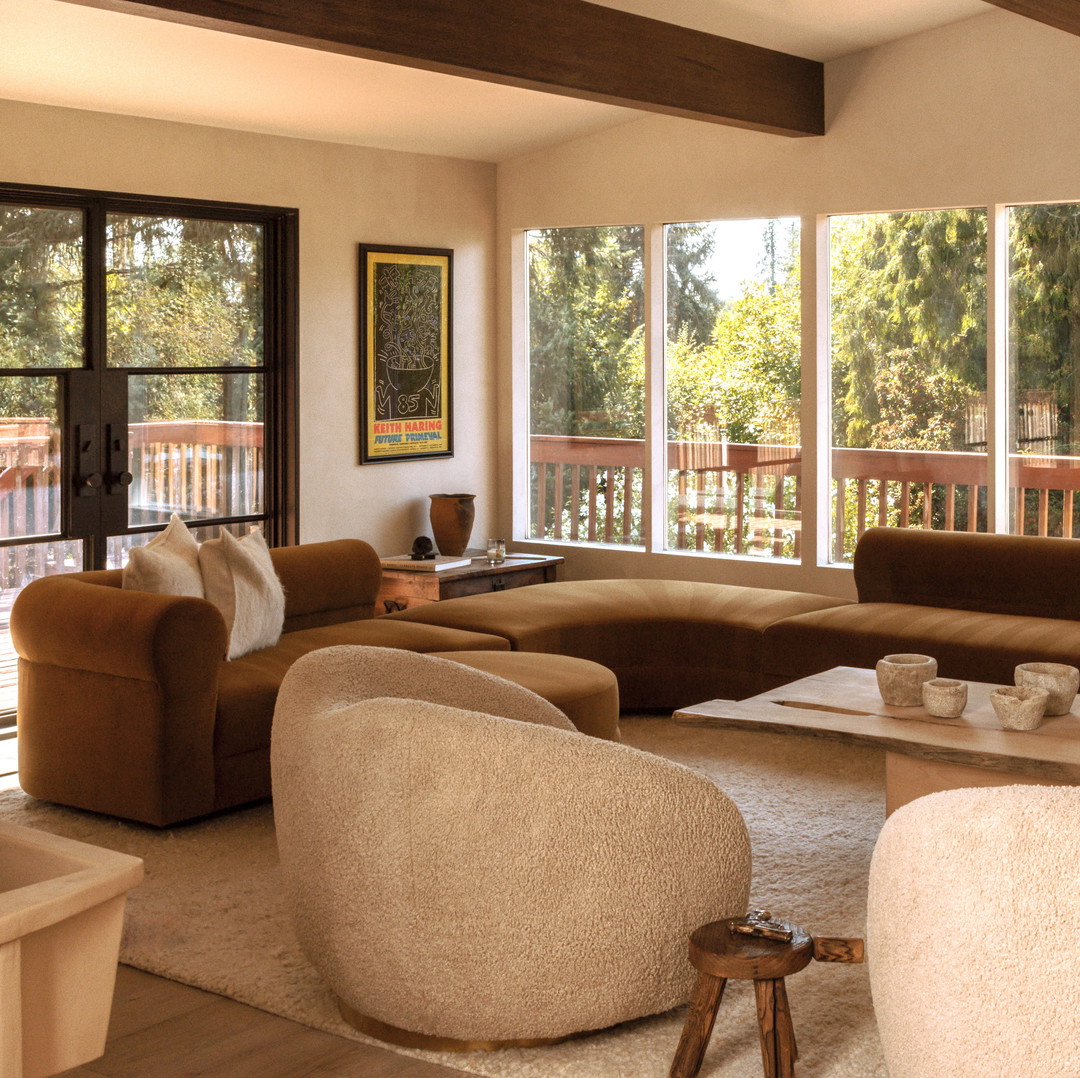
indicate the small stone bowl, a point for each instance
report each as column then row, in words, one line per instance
column 1019, row 709
column 1059, row 680
column 900, row 678
column 944, row 698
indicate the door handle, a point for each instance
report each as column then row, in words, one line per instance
column 116, row 450
column 89, row 480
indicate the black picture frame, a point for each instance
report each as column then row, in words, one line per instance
column 406, row 362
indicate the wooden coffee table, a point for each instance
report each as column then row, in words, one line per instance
column 922, row 754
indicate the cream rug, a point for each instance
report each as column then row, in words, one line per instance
column 210, row 914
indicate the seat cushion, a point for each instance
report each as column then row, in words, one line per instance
column 585, row 692
column 966, row 643
column 248, row 686
column 670, row 643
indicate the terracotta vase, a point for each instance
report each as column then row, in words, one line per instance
column 451, row 522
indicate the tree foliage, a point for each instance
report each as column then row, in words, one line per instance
column 910, row 285
column 180, row 293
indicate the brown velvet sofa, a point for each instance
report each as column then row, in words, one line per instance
column 669, row 642
column 979, row 604
column 128, row 707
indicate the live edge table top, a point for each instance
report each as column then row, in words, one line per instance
column 845, row 706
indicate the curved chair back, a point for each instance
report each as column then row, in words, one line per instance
column 973, row 934
column 460, row 875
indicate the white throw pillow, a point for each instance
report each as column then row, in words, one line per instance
column 239, row 579
column 167, row 565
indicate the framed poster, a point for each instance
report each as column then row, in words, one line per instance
column 405, row 375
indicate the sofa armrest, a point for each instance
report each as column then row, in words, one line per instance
column 73, row 623
column 117, row 698
column 327, row 583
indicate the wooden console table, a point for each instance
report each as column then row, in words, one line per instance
column 923, row 754
column 404, row 588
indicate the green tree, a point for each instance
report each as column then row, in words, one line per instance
column 1044, row 284
column 586, row 300
column 587, row 315
column 917, row 408
column 912, row 282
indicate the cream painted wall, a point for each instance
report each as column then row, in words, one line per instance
column 346, row 195
column 983, row 111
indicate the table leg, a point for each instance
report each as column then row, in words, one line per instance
column 785, row 1032
column 778, row 1048
column 765, row 993
column 698, row 1026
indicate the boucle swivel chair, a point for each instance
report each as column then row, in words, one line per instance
column 973, row 937
column 487, row 877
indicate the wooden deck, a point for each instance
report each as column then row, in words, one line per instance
column 9, row 661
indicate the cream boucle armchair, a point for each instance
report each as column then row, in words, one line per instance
column 973, row 934
column 473, row 878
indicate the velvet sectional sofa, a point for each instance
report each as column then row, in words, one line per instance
column 978, row 603
column 128, row 706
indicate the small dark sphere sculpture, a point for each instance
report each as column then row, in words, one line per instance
column 422, row 549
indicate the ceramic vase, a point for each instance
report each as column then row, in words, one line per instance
column 451, row 522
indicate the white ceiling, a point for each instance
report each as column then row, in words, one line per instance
column 60, row 53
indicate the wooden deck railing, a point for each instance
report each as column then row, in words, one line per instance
column 197, row 468
column 746, row 499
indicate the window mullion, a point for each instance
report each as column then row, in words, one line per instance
column 654, row 484
column 997, row 366
column 816, row 413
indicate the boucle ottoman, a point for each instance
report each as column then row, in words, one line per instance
column 585, row 692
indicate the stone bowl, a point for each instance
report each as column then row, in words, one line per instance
column 1019, row 708
column 944, row 698
column 900, row 678
column 1059, row 680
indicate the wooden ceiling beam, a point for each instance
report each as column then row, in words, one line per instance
column 568, row 47
column 1062, row 14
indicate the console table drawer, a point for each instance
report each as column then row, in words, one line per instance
column 402, row 588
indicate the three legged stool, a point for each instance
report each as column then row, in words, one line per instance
column 723, row 951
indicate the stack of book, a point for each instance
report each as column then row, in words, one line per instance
column 425, row 565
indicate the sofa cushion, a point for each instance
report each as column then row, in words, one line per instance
column 247, row 687
column 670, row 643
column 966, row 643
column 1026, row 575
column 586, row 693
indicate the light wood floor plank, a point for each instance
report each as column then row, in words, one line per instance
column 142, row 1000
column 162, row 1029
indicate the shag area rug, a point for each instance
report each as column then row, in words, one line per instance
column 210, row 912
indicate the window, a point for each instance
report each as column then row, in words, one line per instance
column 908, row 354
column 666, row 365
column 732, row 372
column 731, row 367
column 147, row 365
column 586, row 325
column 1044, row 369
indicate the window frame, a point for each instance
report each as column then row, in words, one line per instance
column 280, row 319
column 816, row 418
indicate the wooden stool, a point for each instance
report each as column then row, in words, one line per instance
column 722, row 954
